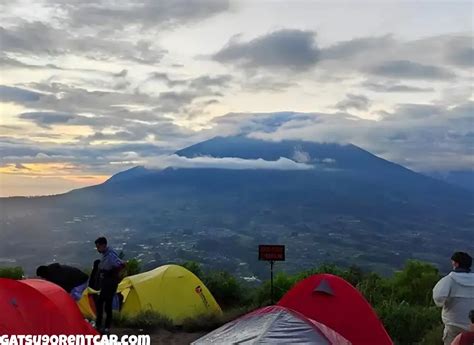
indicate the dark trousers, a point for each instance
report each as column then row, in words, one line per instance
column 107, row 292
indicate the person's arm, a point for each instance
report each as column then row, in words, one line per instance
column 441, row 291
column 116, row 262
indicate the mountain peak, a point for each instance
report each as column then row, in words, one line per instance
column 131, row 173
column 340, row 155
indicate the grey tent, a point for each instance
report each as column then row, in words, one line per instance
column 273, row 325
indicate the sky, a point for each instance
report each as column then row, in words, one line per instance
column 91, row 88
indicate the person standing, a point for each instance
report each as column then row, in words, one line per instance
column 109, row 269
column 455, row 294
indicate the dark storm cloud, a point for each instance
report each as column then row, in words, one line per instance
column 37, row 38
column 404, row 69
column 391, row 87
column 145, row 13
column 283, row 49
column 46, row 119
column 18, row 95
column 348, row 49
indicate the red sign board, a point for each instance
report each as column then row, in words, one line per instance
column 271, row 252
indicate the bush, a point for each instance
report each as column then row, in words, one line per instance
column 133, row 267
column 408, row 324
column 11, row 272
column 225, row 288
column 433, row 337
column 147, row 320
column 415, row 282
column 281, row 284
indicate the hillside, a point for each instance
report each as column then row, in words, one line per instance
column 349, row 207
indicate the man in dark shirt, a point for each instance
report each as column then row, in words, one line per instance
column 109, row 269
column 67, row 277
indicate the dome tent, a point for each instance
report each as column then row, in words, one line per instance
column 34, row 306
column 273, row 325
column 334, row 302
column 170, row 290
column 86, row 303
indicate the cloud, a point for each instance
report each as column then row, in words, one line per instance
column 146, row 14
column 18, row 95
column 301, row 156
column 358, row 102
column 164, row 77
column 40, row 39
column 226, row 163
column 205, row 82
column 348, row 49
column 394, row 87
column 463, row 57
column 421, row 137
column 45, row 119
column 20, row 166
column 199, row 84
column 401, row 69
column 284, row 49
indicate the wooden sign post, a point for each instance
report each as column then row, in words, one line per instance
column 271, row 253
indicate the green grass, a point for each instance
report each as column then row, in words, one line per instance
column 147, row 320
column 209, row 322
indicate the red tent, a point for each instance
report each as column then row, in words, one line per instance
column 337, row 304
column 273, row 325
column 36, row 307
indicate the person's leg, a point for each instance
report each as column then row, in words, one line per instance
column 108, row 310
column 111, row 291
column 450, row 332
column 99, row 306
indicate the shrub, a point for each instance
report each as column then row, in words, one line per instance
column 281, row 284
column 408, row 324
column 133, row 267
column 11, row 272
column 415, row 282
column 225, row 288
column 433, row 336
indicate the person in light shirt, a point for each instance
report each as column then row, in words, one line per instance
column 455, row 294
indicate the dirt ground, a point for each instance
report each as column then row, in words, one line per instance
column 163, row 337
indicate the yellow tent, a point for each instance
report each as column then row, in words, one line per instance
column 86, row 304
column 170, row 290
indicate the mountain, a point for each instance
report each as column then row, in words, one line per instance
column 349, row 207
column 461, row 178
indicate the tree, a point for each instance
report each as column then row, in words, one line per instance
column 225, row 288
column 414, row 284
column 194, row 267
column 11, row 272
column 133, row 267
